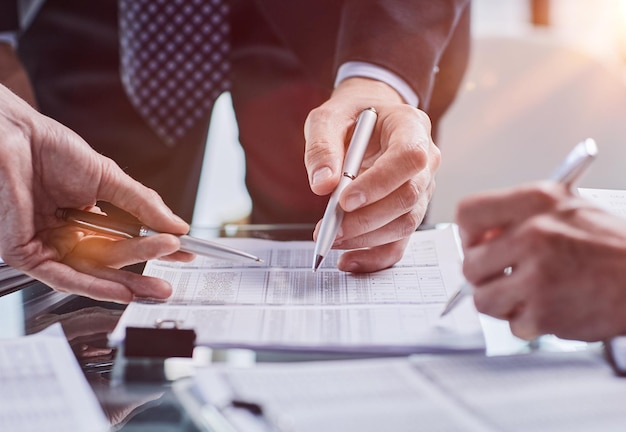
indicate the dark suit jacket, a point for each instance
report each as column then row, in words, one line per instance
column 285, row 55
column 9, row 20
column 408, row 37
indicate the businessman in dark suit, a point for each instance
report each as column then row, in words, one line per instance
column 285, row 57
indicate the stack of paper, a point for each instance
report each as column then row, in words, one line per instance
column 281, row 304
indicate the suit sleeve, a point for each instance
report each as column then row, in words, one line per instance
column 9, row 19
column 408, row 37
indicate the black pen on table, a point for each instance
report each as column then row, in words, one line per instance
column 575, row 164
column 351, row 165
column 106, row 225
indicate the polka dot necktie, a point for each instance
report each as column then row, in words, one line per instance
column 174, row 60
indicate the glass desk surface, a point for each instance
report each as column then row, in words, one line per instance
column 146, row 405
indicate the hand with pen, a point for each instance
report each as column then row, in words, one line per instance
column 568, row 261
column 45, row 166
column 387, row 200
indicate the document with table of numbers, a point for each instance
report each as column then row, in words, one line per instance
column 42, row 387
column 281, row 304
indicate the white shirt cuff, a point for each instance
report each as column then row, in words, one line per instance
column 368, row 70
column 8, row 38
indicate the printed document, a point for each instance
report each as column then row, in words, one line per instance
column 42, row 387
column 612, row 200
column 540, row 391
column 282, row 304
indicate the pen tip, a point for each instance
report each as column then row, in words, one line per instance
column 317, row 262
column 452, row 302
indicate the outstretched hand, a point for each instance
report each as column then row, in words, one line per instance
column 45, row 166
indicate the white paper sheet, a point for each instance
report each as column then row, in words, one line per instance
column 541, row 391
column 612, row 200
column 282, row 304
column 42, row 387
column 363, row 395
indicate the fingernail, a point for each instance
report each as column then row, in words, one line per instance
column 354, row 201
column 321, row 174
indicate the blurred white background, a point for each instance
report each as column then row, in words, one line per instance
column 531, row 92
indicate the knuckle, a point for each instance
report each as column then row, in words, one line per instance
column 364, row 223
column 434, row 157
column 419, row 116
column 318, row 147
column 409, row 223
column 414, row 156
column 544, row 195
column 538, row 233
column 321, row 114
column 317, row 151
column 423, row 118
column 153, row 195
column 409, row 195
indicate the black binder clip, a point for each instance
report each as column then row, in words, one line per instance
column 145, row 350
column 165, row 340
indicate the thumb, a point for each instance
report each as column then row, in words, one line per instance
column 324, row 134
column 123, row 191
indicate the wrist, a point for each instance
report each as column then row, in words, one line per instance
column 369, row 70
column 370, row 88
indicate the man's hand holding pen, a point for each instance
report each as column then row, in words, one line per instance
column 388, row 199
column 567, row 256
column 45, row 166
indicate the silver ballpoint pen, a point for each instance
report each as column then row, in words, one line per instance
column 574, row 165
column 351, row 165
column 106, row 225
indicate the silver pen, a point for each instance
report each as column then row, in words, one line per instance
column 351, row 165
column 106, row 225
column 574, row 165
